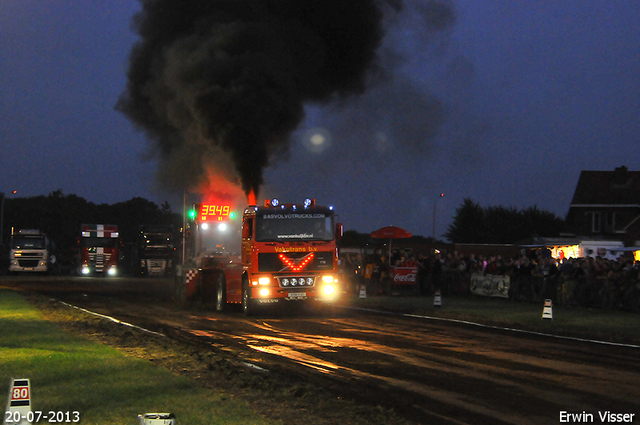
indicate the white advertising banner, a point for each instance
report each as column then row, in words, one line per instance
column 490, row 285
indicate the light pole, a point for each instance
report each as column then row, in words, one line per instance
column 13, row 192
column 433, row 231
column 184, row 222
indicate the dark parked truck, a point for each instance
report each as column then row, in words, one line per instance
column 155, row 251
column 98, row 250
column 29, row 251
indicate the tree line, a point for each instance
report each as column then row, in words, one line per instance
column 60, row 216
column 473, row 223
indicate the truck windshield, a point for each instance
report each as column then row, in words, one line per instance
column 156, row 241
column 104, row 242
column 36, row 242
column 283, row 227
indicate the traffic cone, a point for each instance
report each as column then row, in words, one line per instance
column 363, row 291
column 437, row 299
column 547, row 311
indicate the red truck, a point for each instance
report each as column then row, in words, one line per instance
column 98, row 249
column 288, row 254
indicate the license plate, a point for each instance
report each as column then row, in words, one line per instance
column 297, row 295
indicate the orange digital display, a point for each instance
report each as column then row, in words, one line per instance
column 214, row 212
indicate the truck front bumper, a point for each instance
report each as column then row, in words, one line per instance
column 322, row 291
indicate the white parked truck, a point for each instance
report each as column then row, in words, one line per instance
column 29, row 251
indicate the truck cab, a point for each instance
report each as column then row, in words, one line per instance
column 155, row 250
column 29, row 251
column 289, row 253
column 98, row 250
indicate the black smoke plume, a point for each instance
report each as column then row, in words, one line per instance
column 219, row 81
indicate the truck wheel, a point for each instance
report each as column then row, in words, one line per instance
column 248, row 305
column 221, row 293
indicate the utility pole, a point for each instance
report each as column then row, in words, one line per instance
column 184, row 222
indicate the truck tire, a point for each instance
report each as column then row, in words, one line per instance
column 248, row 305
column 221, row 293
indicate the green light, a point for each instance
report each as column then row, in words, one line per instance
column 232, row 215
column 193, row 212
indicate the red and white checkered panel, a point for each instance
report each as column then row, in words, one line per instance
column 100, row 230
column 191, row 275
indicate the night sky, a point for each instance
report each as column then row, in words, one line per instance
column 504, row 103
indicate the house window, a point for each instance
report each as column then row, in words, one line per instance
column 593, row 220
column 611, row 222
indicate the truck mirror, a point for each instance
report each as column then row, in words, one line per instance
column 339, row 230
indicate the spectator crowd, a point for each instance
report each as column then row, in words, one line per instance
column 533, row 275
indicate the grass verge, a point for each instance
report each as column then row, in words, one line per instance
column 110, row 373
column 71, row 373
column 591, row 323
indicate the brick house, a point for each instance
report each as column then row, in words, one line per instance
column 606, row 206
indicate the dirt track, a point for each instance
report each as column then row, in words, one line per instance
column 427, row 372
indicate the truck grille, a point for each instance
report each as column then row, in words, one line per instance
column 99, row 260
column 28, row 263
column 156, row 266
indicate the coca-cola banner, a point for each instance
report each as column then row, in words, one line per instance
column 404, row 275
column 490, row 285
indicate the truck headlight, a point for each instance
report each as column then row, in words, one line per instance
column 327, row 279
column 264, row 292
column 328, row 290
column 112, row 271
column 85, row 270
column 263, row 281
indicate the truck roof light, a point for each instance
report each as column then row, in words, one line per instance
column 309, row 202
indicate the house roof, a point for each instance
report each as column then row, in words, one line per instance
column 618, row 187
